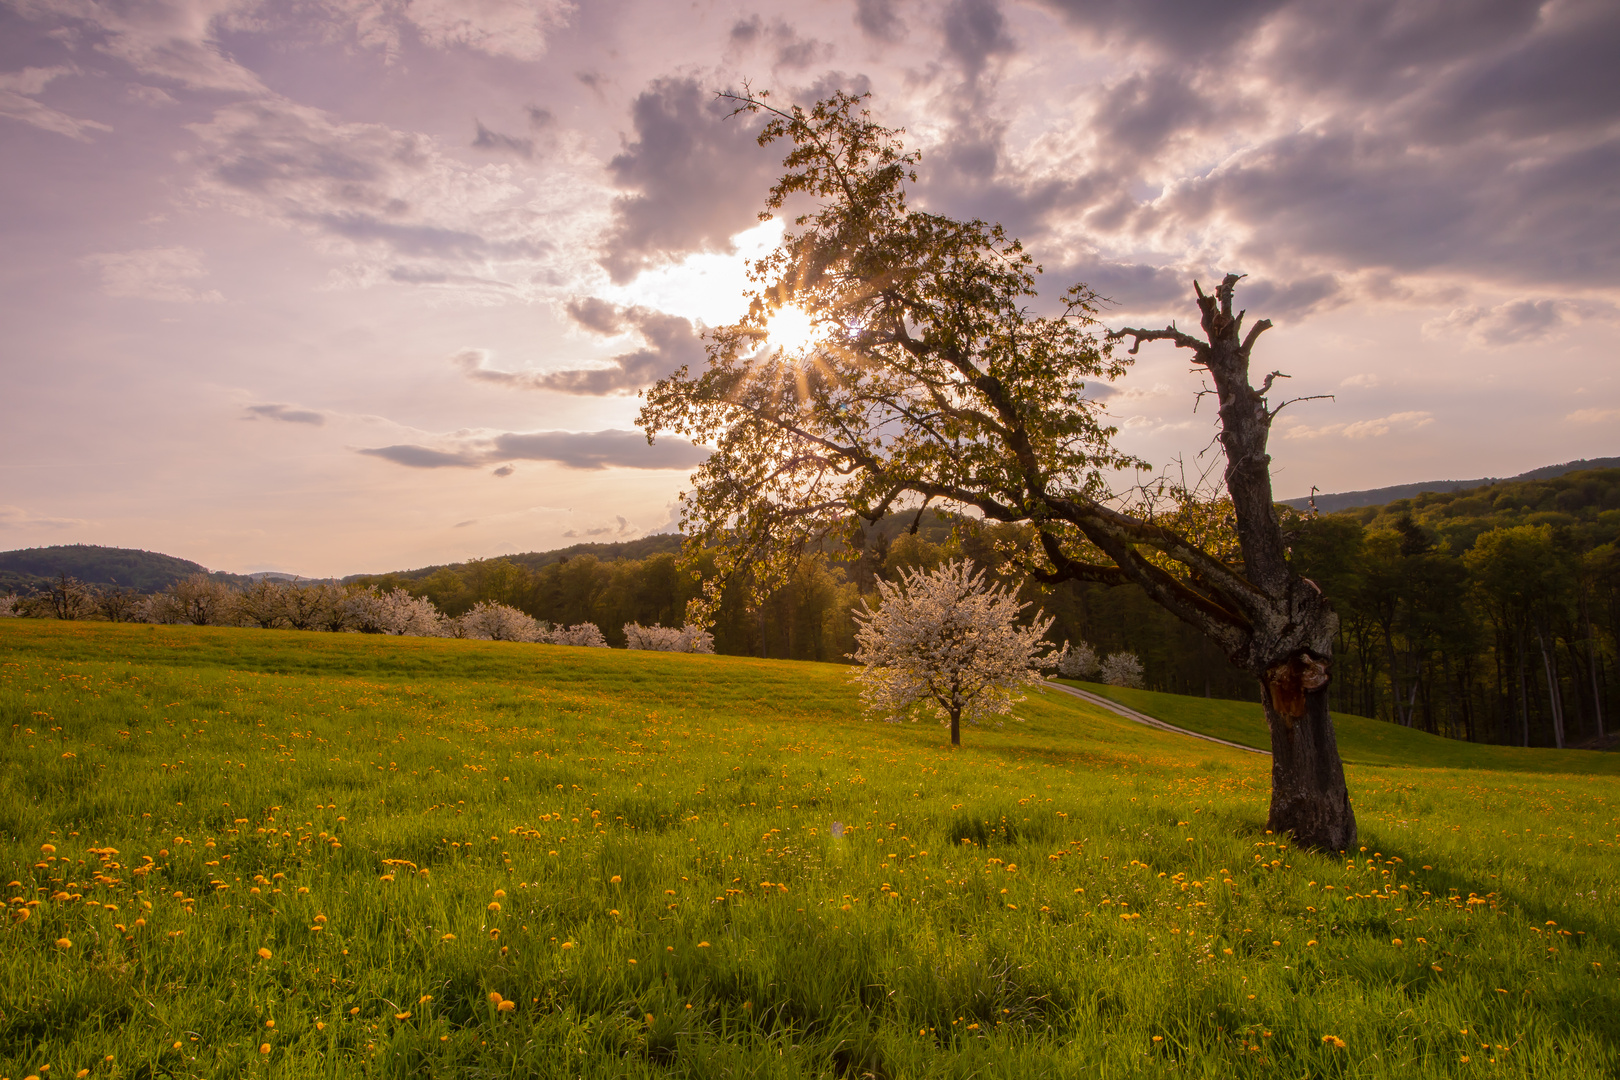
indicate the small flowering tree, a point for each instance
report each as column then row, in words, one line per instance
column 1121, row 669
column 586, row 635
column 655, row 638
column 1077, row 661
column 397, row 612
column 8, row 606
column 498, row 622
column 945, row 637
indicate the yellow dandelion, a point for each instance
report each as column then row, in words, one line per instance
column 1333, row 1041
column 355, row 1011
column 703, row 944
column 386, row 877
column 1158, row 1038
column 402, row 1016
column 500, row 894
column 82, row 1073
column 320, row 1025
column 494, row 997
column 494, row 905
column 48, row 849
column 1310, row 942
column 264, row 1048
column 632, row 959
column 269, row 1023
column 614, row 912
column 424, row 999
column 264, row 954
column 615, row 879
column 1396, row 941
column 448, row 937
column 63, row 943
column 568, row 944
column 506, row 1006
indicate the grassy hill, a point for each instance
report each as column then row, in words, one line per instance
column 297, row 854
column 1361, row 740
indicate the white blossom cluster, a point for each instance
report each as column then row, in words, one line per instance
column 586, row 635
column 315, row 605
column 655, row 638
column 945, row 638
column 1081, row 662
column 1121, row 669
column 1077, row 662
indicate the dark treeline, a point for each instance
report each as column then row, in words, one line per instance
column 1487, row 614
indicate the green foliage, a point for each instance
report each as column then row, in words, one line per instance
column 1489, row 614
column 1119, row 909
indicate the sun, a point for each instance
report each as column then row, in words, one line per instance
column 790, row 329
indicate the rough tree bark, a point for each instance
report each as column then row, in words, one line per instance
column 1287, row 628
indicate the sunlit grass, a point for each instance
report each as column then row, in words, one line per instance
column 334, row 855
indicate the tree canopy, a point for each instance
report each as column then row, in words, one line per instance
column 929, row 379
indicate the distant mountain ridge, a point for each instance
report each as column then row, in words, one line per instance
column 1349, row 500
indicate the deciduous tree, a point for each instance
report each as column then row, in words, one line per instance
column 928, row 380
column 947, row 639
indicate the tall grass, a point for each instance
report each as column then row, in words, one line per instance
column 674, row 865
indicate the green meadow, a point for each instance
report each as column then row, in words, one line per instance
column 270, row 853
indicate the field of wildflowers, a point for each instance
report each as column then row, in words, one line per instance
column 244, row 853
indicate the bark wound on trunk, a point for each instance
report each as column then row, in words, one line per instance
column 1308, row 794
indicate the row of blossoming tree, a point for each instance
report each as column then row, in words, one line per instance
column 328, row 606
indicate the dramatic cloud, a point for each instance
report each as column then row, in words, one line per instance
column 976, row 32
column 162, row 274
column 788, row 48
column 285, row 413
column 486, row 139
column 574, row 449
column 322, row 200
column 693, row 177
column 392, row 200
column 1518, row 322
column 515, row 28
column 18, row 93
column 170, row 39
column 669, row 340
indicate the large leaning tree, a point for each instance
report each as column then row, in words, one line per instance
column 927, row 379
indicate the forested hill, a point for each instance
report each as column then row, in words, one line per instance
column 1346, row 500
column 656, row 544
column 1586, row 503
column 30, row 569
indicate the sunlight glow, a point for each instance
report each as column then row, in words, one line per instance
column 790, row 329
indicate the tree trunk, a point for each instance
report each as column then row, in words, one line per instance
column 956, row 727
column 1309, row 798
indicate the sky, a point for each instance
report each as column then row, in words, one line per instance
column 343, row 286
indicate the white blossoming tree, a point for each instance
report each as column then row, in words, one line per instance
column 655, row 638
column 1121, row 669
column 585, row 635
column 944, row 637
column 397, row 613
column 499, row 622
column 1077, row 661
